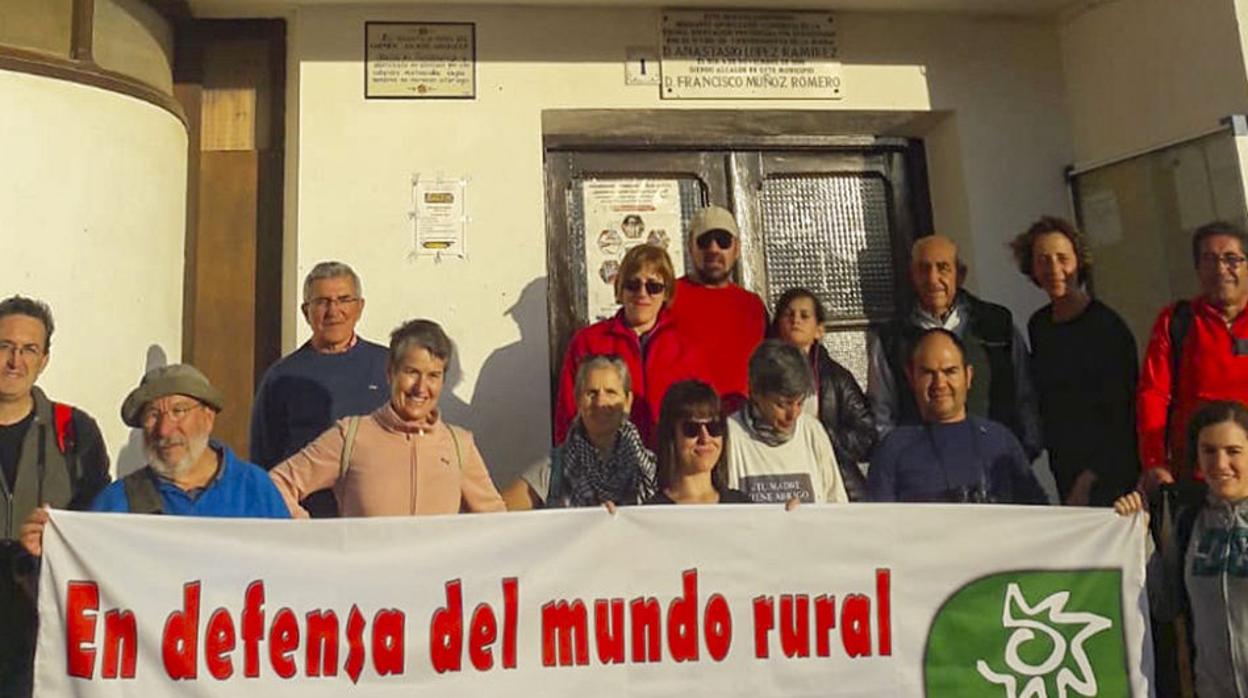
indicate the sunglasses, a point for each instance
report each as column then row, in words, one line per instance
column 721, row 238
column 653, row 288
column 693, row 428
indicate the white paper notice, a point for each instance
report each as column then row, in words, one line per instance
column 441, row 217
column 619, row 215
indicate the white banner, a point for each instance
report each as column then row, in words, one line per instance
column 850, row 600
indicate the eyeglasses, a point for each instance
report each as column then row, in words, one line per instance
column 1232, row 261
column 174, row 414
column 653, row 288
column 693, row 428
column 721, row 238
column 28, row 352
column 323, row 303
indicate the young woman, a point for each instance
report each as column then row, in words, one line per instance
column 692, row 452
column 1083, row 366
column 1207, row 572
column 837, row 401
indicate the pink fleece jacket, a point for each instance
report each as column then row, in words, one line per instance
column 397, row 468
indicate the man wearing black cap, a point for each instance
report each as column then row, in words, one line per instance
column 723, row 321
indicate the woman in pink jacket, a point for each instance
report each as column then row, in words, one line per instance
column 402, row 459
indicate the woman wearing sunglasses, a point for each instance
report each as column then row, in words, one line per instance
column 837, row 400
column 642, row 333
column 692, row 450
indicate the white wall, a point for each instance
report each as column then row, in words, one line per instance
column 92, row 214
column 996, row 161
column 1141, row 73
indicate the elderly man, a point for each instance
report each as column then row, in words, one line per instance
column 334, row 374
column 1198, row 352
column 994, row 347
column 49, row 453
column 953, row 456
column 187, row 473
column 721, row 320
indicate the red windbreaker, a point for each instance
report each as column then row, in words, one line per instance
column 668, row 360
column 1209, row 369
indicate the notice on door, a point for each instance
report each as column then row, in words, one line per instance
column 420, row 60
column 724, row 54
column 621, row 214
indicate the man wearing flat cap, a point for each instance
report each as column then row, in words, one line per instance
column 723, row 321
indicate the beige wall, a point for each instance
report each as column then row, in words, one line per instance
column 92, row 213
column 1141, row 73
column 132, row 38
column 996, row 160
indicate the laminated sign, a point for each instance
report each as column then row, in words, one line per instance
column 943, row 601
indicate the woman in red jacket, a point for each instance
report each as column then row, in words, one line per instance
column 642, row 333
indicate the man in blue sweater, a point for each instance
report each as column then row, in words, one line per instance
column 952, row 456
column 335, row 374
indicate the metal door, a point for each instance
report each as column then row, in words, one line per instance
column 835, row 219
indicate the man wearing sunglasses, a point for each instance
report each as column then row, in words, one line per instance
column 723, row 321
column 1198, row 352
column 334, row 374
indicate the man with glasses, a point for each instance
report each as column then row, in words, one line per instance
column 721, row 320
column 1198, row 352
column 334, row 374
column 50, row 453
column 187, row 473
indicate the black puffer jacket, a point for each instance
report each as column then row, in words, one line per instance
column 846, row 415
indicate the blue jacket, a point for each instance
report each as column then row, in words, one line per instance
column 239, row 489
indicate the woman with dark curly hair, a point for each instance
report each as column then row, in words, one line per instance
column 1084, row 367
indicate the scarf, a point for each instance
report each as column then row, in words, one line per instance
column 761, row 430
column 625, row 477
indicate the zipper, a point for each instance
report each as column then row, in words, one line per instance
column 411, row 475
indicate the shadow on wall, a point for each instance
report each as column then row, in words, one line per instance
column 511, row 387
column 132, row 456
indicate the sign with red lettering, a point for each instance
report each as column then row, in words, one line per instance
column 749, row 600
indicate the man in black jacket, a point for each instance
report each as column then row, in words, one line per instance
column 50, row 453
column 995, row 349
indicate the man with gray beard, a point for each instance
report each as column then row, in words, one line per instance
column 187, row 473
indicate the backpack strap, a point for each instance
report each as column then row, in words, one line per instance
column 63, row 424
column 1180, row 324
column 459, row 456
column 344, row 462
column 141, row 492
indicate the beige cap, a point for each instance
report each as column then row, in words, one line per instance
column 713, row 218
column 175, row 379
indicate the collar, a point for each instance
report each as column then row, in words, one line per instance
column 620, row 326
column 1202, row 306
column 392, row 421
column 355, row 339
column 953, row 321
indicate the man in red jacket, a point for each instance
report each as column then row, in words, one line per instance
column 721, row 320
column 1211, row 332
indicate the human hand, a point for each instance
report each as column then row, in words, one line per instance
column 792, row 503
column 1152, row 479
column 1081, row 491
column 610, row 507
column 31, row 532
column 1130, row 503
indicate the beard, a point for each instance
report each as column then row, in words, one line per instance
column 195, row 448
